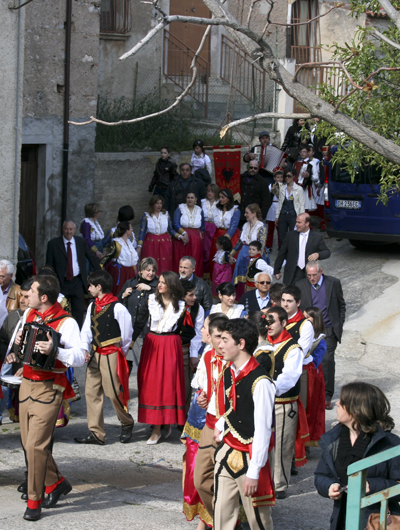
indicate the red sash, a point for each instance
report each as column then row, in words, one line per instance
column 282, row 337
column 210, row 362
column 302, row 436
column 297, row 317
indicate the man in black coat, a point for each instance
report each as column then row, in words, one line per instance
column 187, row 267
column 254, row 189
column 180, row 186
column 259, row 298
column 325, row 292
column 298, row 248
column 71, row 273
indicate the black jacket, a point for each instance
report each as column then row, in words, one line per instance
column 290, row 252
column 6, row 332
column 380, row 477
column 138, row 304
column 164, row 173
column 176, row 192
column 249, row 300
column 254, row 191
column 334, row 301
column 56, row 257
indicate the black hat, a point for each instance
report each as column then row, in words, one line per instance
column 263, row 133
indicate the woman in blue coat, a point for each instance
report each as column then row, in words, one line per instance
column 363, row 430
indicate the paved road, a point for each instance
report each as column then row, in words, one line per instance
column 135, row 485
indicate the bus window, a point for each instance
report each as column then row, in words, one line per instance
column 341, row 175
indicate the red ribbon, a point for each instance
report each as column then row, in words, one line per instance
column 122, row 368
column 187, row 321
column 297, row 317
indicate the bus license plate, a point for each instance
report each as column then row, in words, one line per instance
column 348, row 205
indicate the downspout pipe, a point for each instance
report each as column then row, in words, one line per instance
column 17, row 143
column 67, row 75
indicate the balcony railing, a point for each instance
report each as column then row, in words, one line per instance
column 305, row 54
column 115, row 16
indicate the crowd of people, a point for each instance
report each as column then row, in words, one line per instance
column 243, row 364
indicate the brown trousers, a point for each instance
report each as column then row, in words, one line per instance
column 39, row 406
column 228, row 489
column 203, row 475
column 188, row 376
column 102, row 378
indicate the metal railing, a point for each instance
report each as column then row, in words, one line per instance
column 177, row 60
column 311, row 77
column 115, row 16
column 239, row 70
column 306, row 54
column 357, row 501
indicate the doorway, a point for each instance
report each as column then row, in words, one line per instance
column 28, row 194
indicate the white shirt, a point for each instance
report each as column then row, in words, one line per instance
column 263, row 266
column 195, row 343
column 70, row 351
column 223, row 219
column 200, row 161
column 128, row 256
column 190, row 219
column 264, row 402
column 163, row 321
column 208, row 210
column 262, row 302
column 250, row 233
column 306, row 336
column 200, row 380
column 75, row 265
column 303, row 238
column 124, row 319
column 234, row 312
column 157, row 224
column 291, row 372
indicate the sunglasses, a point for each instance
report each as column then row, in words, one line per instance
column 264, row 283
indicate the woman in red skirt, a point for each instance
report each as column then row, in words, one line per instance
column 226, row 220
column 189, row 223
column 208, row 206
column 123, row 257
column 155, row 235
column 161, row 380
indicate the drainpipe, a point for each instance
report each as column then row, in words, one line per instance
column 17, row 145
column 67, row 73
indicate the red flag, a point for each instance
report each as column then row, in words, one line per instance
column 227, row 168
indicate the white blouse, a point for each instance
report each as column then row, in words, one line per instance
column 163, row 321
column 250, row 234
column 133, row 238
column 128, row 256
column 208, row 210
column 219, row 257
column 223, row 219
column 190, row 219
column 96, row 232
column 157, row 225
column 200, row 161
column 234, row 312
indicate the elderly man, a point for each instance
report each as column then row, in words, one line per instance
column 66, row 255
column 299, row 247
column 325, row 292
column 178, row 188
column 258, row 299
column 187, row 267
column 11, row 291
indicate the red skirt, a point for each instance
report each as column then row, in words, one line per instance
column 193, row 248
column 315, row 403
column 208, row 235
column 160, row 248
column 161, row 381
column 120, row 275
column 221, row 232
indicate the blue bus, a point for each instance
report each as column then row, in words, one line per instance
column 353, row 210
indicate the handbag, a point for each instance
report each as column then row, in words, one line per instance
column 392, row 522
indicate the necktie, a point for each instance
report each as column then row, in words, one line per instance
column 316, row 286
column 301, row 263
column 70, row 272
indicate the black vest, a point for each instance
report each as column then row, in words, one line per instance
column 295, row 329
column 188, row 332
column 104, row 326
column 252, row 269
column 279, row 361
column 241, row 422
column 265, row 358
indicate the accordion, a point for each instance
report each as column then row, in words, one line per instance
column 28, row 352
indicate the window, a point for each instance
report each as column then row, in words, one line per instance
column 305, row 39
column 115, row 16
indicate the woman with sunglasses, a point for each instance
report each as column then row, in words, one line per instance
column 290, row 205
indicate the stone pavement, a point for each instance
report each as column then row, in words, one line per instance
column 138, row 486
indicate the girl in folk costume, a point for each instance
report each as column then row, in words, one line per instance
column 123, row 257
column 161, row 381
column 226, row 220
column 125, row 213
column 222, row 267
column 312, row 390
column 189, row 224
column 155, row 235
column 208, row 206
column 92, row 231
column 307, row 178
column 226, row 293
column 253, row 230
column 199, row 158
column 271, row 215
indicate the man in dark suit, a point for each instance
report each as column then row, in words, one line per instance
column 67, row 255
column 299, row 247
column 259, row 298
column 325, row 292
column 177, row 190
column 254, row 189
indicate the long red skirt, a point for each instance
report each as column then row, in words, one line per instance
column 193, row 248
column 315, row 403
column 160, row 248
column 221, row 232
column 161, row 381
column 120, row 275
column 208, row 235
column 222, row 273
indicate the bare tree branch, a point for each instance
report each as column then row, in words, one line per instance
column 253, row 2
column 306, row 21
column 262, row 115
column 380, row 36
column 391, row 12
column 161, row 25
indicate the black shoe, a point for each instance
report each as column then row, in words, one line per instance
column 32, row 514
column 293, row 470
column 126, row 433
column 23, row 487
column 52, row 498
column 90, row 438
column 280, row 494
column 24, row 496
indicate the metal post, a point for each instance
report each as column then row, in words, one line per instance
column 67, row 73
column 135, row 85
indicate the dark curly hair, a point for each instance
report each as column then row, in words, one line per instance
column 174, row 287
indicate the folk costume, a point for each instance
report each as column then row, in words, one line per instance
column 256, row 233
column 108, row 329
column 256, row 265
column 190, row 222
column 226, row 225
column 122, row 265
column 222, row 271
column 246, row 424
column 271, row 216
column 155, row 239
column 307, row 183
column 236, row 311
column 40, row 398
column 290, row 419
column 189, row 328
column 209, row 231
column 161, row 381
column 301, row 330
column 94, row 235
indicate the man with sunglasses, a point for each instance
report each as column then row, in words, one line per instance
column 259, row 298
